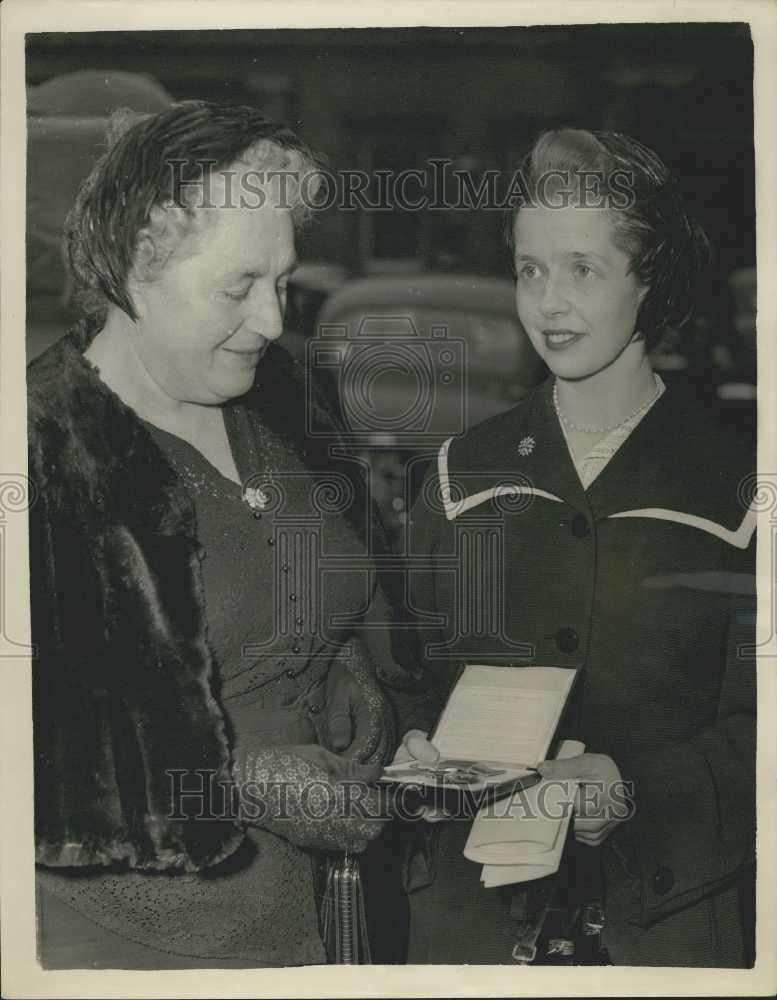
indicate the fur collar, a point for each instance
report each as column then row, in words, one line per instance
column 123, row 683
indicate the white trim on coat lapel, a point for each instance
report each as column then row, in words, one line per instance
column 455, row 507
column 739, row 538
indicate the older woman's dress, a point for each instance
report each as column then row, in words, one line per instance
column 269, row 631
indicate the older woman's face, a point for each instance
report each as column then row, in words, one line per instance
column 575, row 297
column 205, row 322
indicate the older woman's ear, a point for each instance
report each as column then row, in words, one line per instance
column 167, row 227
column 144, row 255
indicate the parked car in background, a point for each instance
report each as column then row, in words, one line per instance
column 417, row 359
column 310, row 285
column 67, row 119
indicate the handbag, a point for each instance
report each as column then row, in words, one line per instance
column 342, row 916
column 560, row 917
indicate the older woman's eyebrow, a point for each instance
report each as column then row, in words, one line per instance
column 254, row 274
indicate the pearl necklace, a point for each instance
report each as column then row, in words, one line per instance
column 605, row 429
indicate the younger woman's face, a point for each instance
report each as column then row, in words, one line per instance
column 575, row 297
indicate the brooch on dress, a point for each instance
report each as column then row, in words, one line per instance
column 256, row 498
column 526, row 445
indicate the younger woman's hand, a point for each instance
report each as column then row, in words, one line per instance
column 416, row 747
column 599, row 802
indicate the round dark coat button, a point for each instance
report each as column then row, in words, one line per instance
column 313, row 709
column 663, row 880
column 296, row 649
column 290, row 674
column 567, row 640
column 580, row 526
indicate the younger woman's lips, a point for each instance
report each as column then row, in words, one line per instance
column 559, row 340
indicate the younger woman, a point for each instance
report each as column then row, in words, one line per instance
column 604, row 523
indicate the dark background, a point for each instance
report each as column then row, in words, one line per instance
column 370, row 98
column 394, row 98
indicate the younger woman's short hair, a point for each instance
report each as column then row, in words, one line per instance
column 162, row 160
column 669, row 251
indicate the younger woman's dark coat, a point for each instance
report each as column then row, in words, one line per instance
column 645, row 581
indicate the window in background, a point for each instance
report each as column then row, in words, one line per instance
column 393, row 239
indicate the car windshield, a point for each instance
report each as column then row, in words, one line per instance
column 495, row 346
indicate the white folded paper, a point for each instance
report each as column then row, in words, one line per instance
column 522, row 838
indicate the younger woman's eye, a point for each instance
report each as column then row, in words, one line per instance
column 583, row 270
column 528, row 271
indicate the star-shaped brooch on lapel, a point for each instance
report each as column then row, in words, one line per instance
column 526, row 445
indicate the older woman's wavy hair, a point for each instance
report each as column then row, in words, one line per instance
column 122, row 223
column 669, row 251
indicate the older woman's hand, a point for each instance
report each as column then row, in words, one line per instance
column 310, row 796
column 353, row 718
column 358, row 720
column 599, row 803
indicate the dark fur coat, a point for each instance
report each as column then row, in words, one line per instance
column 122, row 679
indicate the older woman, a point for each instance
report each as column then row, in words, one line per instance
column 190, row 555
column 627, row 551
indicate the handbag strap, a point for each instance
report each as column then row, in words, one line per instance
column 343, row 915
